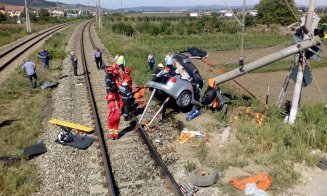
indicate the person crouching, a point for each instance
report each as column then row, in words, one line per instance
column 113, row 116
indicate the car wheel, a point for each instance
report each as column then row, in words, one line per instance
column 204, row 176
column 184, row 99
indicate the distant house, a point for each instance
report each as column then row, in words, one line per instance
column 194, row 14
column 228, row 14
column 253, row 13
column 54, row 12
column 12, row 10
column 2, row 9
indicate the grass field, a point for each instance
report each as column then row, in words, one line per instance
column 275, row 146
column 25, row 106
column 12, row 32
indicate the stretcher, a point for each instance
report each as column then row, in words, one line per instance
column 68, row 126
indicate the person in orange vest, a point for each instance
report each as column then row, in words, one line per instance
column 126, row 75
column 113, row 116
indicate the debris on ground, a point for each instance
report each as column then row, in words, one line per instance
column 187, row 135
column 35, row 150
column 322, row 163
column 139, row 93
column 188, row 188
column 259, row 117
column 262, row 181
column 251, row 189
column 76, row 141
column 9, row 159
column 48, row 84
column 193, row 114
column 204, row 176
column 225, row 136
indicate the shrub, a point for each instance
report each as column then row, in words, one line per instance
column 123, row 28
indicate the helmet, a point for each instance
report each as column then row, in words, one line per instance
column 110, row 68
column 110, row 96
column 160, row 65
column 127, row 70
column 116, row 66
column 116, row 71
column 71, row 53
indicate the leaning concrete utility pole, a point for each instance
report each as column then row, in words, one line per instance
column 28, row 23
column 299, row 77
column 291, row 50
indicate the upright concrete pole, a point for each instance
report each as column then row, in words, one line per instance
column 299, row 77
column 57, row 11
column 28, row 23
column 100, row 18
column 243, row 27
column 96, row 11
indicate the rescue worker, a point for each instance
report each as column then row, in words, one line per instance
column 111, row 86
column 127, row 98
column 121, row 61
column 30, row 70
column 44, row 55
column 126, row 75
column 113, row 116
column 157, row 70
column 116, row 67
column 98, row 58
column 74, row 62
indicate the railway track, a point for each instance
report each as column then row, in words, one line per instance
column 9, row 55
column 132, row 165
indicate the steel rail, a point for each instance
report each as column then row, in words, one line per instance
column 31, row 38
column 152, row 149
column 160, row 162
column 112, row 189
column 32, row 44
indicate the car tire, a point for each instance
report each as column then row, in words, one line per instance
column 184, row 100
column 204, row 176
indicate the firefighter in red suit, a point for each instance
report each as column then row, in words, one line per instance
column 113, row 115
column 127, row 77
column 117, row 79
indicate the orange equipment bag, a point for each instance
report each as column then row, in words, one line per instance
column 263, row 182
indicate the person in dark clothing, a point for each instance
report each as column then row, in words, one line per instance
column 151, row 61
column 44, row 55
column 74, row 62
column 157, row 70
column 30, row 70
column 111, row 86
column 98, row 58
column 127, row 98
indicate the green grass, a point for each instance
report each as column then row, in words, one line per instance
column 278, row 146
column 25, row 106
column 137, row 48
column 13, row 32
column 189, row 166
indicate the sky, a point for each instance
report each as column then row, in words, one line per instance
column 114, row 4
